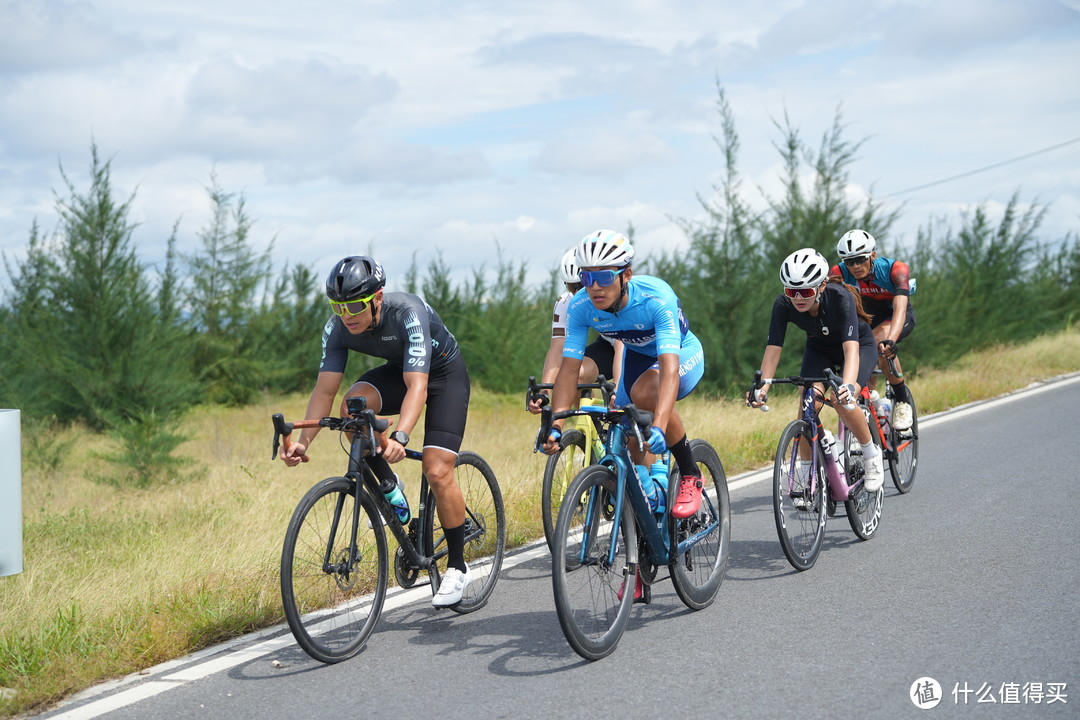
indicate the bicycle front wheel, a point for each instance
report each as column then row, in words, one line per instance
column 904, row 451
column 703, row 540
column 799, row 498
column 485, row 531
column 333, row 589
column 594, row 588
column 560, row 470
column 863, row 508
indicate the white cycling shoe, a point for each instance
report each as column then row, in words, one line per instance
column 452, row 587
column 875, row 473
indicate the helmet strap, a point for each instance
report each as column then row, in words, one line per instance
column 616, row 306
column 375, row 312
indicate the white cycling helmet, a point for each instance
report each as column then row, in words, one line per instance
column 568, row 267
column 604, row 248
column 806, row 268
column 856, row 243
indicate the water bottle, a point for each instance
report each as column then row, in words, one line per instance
column 395, row 495
column 659, row 473
column 885, row 408
column 648, row 486
column 875, row 401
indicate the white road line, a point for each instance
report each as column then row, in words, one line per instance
column 117, row 701
column 219, row 658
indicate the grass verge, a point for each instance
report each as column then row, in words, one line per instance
column 119, row 580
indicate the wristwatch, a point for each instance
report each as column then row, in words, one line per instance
column 401, row 437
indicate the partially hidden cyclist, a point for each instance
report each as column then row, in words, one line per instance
column 603, row 356
column 423, row 366
column 662, row 360
column 836, row 335
column 886, row 287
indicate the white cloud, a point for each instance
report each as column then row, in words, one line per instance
column 411, row 128
column 603, row 154
column 52, row 35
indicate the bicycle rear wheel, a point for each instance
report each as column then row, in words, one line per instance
column 698, row 571
column 560, row 470
column 593, row 595
column 799, row 501
column 863, row 508
column 485, row 531
column 904, row 451
column 333, row 591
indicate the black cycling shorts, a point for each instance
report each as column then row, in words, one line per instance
column 909, row 321
column 447, row 405
column 603, row 354
column 816, row 357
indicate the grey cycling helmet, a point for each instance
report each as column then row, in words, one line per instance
column 805, row 268
column 604, row 248
column 568, row 269
column 354, row 277
column 856, row 243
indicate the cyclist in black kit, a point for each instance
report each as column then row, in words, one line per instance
column 423, row 366
column 836, row 335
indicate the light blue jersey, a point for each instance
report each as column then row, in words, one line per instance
column 650, row 323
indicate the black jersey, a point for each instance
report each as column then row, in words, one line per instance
column 837, row 320
column 410, row 335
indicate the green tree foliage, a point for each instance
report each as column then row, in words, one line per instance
column 503, row 327
column 727, row 278
column 87, row 341
column 89, row 335
column 222, row 285
column 288, row 328
column 986, row 283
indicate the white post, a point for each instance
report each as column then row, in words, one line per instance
column 11, row 530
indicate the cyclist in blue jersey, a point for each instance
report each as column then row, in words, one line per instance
column 602, row 357
column 423, row 367
column 886, row 287
column 836, row 335
column 662, row 360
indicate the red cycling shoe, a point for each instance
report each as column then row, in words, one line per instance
column 642, row 592
column 688, row 501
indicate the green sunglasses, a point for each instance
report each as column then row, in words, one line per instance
column 352, row 307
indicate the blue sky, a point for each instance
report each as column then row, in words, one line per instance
column 421, row 127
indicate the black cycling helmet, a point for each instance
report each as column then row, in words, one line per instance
column 354, row 277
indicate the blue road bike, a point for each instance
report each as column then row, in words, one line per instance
column 607, row 533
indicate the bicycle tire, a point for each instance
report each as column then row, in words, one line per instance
column 559, row 471
column 863, row 509
column 592, row 615
column 331, row 613
column 698, row 572
column 904, row 451
column 801, row 530
column 485, row 531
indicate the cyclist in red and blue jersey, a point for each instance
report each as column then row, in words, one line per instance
column 662, row 360
column 886, row 287
column 423, row 367
column 836, row 335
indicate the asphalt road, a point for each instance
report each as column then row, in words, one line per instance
column 973, row 580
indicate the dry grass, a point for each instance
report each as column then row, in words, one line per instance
column 117, row 580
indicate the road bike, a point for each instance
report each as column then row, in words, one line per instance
column 901, row 447
column 607, row 534
column 334, row 561
column 812, row 475
column 580, row 447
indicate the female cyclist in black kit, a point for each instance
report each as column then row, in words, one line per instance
column 836, row 335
